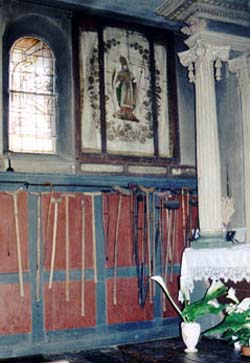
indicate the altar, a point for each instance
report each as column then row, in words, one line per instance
column 232, row 263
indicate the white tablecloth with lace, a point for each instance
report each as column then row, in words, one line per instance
column 232, row 263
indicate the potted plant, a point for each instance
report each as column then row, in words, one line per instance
column 235, row 326
column 190, row 329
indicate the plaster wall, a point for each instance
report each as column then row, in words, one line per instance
column 231, row 141
column 186, row 110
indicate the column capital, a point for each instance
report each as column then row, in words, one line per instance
column 241, row 67
column 204, row 52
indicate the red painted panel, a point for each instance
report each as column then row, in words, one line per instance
column 60, row 314
column 173, row 287
column 127, row 308
column 75, row 231
column 183, row 220
column 8, row 251
column 15, row 311
column 125, row 245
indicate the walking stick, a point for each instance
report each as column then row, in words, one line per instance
column 147, row 191
column 175, row 207
column 183, row 215
column 83, row 261
column 116, row 247
column 93, row 195
column 49, row 211
column 106, row 229
column 121, row 192
column 188, row 219
column 56, row 201
column 47, row 225
column 67, row 196
column 18, row 242
column 38, row 245
column 172, row 205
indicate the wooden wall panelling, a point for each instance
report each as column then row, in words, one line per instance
column 52, row 317
column 15, row 310
column 127, row 308
column 59, row 313
column 8, row 251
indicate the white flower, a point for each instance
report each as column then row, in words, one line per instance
column 162, row 284
column 231, row 308
column 244, row 305
column 215, row 285
column 214, row 303
column 158, row 279
column 231, row 295
column 181, row 297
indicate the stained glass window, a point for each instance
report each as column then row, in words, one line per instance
column 31, row 97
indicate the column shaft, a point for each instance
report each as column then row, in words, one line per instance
column 241, row 66
column 203, row 57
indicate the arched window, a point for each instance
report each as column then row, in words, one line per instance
column 31, row 126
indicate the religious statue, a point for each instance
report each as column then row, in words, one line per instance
column 125, row 86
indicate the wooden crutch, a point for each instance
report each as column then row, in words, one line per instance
column 121, row 191
column 18, row 242
column 38, row 245
column 83, row 261
column 183, row 215
column 49, row 210
column 172, row 205
column 116, row 248
column 147, row 191
column 67, row 196
column 56, row 201
column 93, row 195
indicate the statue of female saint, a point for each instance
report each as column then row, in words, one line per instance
column 126, row 90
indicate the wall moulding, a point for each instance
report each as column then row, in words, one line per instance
column 235, row 12
column 236, row 43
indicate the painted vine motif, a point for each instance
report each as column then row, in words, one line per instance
column 125, row 86
column 93, row 87
column 129, row 95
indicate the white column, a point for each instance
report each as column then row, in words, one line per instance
column 241, row 67
column 204, row 64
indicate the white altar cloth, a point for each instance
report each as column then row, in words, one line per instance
column 232, row 263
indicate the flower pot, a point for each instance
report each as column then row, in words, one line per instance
column 245, row 351
column 190, row 334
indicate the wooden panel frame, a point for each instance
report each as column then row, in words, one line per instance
column 152, row 34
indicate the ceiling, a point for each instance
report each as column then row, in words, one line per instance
column 143, row 11
column 173, row 12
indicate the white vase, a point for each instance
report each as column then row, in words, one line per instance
column 190, row 334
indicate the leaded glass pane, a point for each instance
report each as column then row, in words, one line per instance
column 31, row 97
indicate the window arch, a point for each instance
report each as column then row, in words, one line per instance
column 56, row 33
column 31, row 97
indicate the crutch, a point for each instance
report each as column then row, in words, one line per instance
column 18, row 242
column 83, row 261
column 172, row 205
column 93, row 195
column 147, row 191
column 162, row 195
column 121, row 191
column 183, row 215
column 67, row 196
column 49, row 210
column 38, row 245
column 175, row 205
column 188, row 219
column 56, row 201
column 48, row 216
